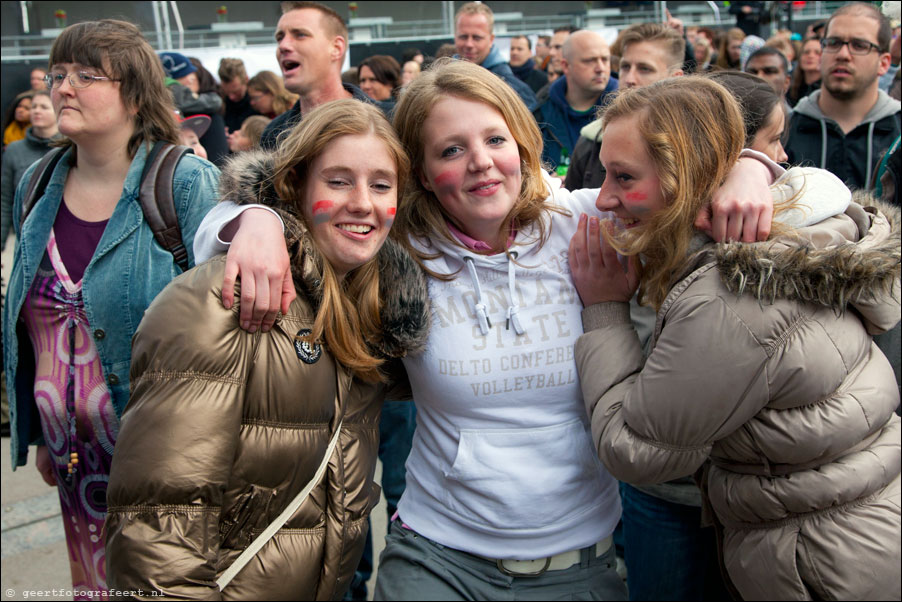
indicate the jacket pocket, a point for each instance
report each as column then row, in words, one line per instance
column 524, row 478
column 246, row 516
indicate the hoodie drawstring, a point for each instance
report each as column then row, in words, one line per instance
column 823, row 144
column 513, row 309
column 481, row 315
column 869, row 172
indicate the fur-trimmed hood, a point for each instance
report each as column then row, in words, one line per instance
column 813, row 265
column 248, row 179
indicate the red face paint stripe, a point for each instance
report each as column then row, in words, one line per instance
column 392, row 210
column 445, row 178
column 322, row 206
column 636, row 196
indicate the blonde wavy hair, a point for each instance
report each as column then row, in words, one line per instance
column 348, row 317
column 420, row 214
column 693, row 131
column 268, row 82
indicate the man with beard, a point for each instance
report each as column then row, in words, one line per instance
column 848, row 124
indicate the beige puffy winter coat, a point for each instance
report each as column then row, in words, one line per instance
column 763, row 364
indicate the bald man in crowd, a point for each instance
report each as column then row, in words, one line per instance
column 574, row 97
column 649, row 52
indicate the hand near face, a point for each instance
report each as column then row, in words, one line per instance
column 742, row 209
column 595, row 268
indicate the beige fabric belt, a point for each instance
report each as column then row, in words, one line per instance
column 558, row 562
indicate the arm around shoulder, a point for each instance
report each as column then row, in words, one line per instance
column 196, row 194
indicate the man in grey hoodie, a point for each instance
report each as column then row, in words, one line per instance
column 474, row 40
column 847, row 125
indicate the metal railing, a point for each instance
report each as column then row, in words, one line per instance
column 37, row 46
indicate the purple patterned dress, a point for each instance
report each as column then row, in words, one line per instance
column 76, row 412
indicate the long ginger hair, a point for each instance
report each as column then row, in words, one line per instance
column 348, row 318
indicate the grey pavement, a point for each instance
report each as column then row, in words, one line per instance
column 34, row 562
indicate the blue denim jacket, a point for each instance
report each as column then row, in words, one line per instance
column 129, row 268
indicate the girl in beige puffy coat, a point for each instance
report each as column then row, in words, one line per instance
column 762, row 371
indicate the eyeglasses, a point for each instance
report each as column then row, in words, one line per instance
column 856, row 46
column 80, row 79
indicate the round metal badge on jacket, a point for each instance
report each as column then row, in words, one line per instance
column 308, row 353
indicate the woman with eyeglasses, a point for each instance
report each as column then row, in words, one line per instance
column 86, row 267
column 268, row 94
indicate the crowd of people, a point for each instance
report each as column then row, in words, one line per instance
column 621, row 320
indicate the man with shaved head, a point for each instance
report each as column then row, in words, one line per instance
column 649, row 52
column 574, row 98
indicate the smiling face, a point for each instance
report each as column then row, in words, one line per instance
column 85, row 113
column 371, row 86
column 473, row 38
column 554, row 51
column 768, row 139
column 350, row 202
column 306, row 52
column 631, row 187
column 701, row 51
column 472, row 166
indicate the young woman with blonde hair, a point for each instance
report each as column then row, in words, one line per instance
column 728, row 52
column 225, row 427
column 86, row 267
column 503, row 487
column 268, row 94
column 762, row 370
